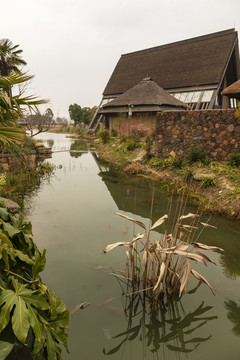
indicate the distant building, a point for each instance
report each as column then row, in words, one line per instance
column 194, row 71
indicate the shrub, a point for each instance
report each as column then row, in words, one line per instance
column 31, row 314
column 208, row 181
column 114, row 133
column 104, row 135
column 234, row 160
column 196, row 155
column 177, row 163
column 188, row 176
column 134, row 168
column 131, row 145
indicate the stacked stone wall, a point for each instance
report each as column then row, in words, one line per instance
column 217, row 132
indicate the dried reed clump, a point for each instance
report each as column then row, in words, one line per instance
column 162, row 268
column 134, row 168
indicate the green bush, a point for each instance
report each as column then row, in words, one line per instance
column 188, row 175
column 234, row 160
column 104, row 135
column 31, row 314
column 131, row 145
column 196, row 155
column 208, row 181
column 178, row 163
column 114, row 133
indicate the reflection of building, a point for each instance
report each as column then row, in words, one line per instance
column 195, row 71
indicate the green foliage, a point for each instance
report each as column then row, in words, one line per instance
column 196, row 155
column 208, row 181
column 161, row 163
column 178, row 163
column 104, row 135
column 234, row 160
column 188, row 175
column 30, row 312
column 45, row 168
column 81, row 115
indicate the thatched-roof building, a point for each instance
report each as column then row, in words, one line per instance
column 136, row 108
column 232, row 91
column 194, row 71
column 145, row 96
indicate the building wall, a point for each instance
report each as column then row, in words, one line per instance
column 217, row 132
column 144, row 123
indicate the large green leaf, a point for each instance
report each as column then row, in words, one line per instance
column 51, row 344
column 20, row 320
column 5, row 349
column 40, row 262
column 36, row 324
column 8, row 300
column 10, row 230
column 3, row 213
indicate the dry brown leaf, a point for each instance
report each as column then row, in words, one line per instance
column 185, row 278
column 206, row 247
column 144, row 258
column 112, row 246
column 192, row 256
column 189, row 215
column 159, row 222
column 133, row 220
column 201, row 278
column 138, row 237
column 207, row 225
column 161, row 274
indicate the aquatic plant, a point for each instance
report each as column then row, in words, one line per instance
column 30, row 313
column 162, row 268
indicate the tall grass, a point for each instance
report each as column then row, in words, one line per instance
column 162, row 268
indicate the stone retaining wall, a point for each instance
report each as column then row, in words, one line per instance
column 215, row 131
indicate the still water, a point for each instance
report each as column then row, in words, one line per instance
column 73, row 217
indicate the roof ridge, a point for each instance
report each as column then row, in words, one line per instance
column 198, row 38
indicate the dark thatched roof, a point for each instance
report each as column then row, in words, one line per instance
column 194, row 62
column 232, row 91
column 146, row 92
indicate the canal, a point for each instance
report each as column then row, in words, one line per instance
column 73, row 217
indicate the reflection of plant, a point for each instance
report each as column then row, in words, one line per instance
column 233, row 315
column 159, row 327
column 162, row 268
column 30, row 314
column 77, row 148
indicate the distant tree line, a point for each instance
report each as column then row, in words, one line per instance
column 81, row 115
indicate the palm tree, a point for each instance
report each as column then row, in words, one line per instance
column 10, row 59
column 14, row 108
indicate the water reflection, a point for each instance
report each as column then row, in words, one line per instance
column 134, row 196
column 78, row 148
column 172, row 328
column 233, row 315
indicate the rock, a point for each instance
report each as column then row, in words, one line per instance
column 9, row 204
column 200, row 176
column 140, row 156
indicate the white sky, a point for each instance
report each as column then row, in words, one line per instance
column 72, row 46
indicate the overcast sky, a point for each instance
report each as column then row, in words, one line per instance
column 72, row 46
